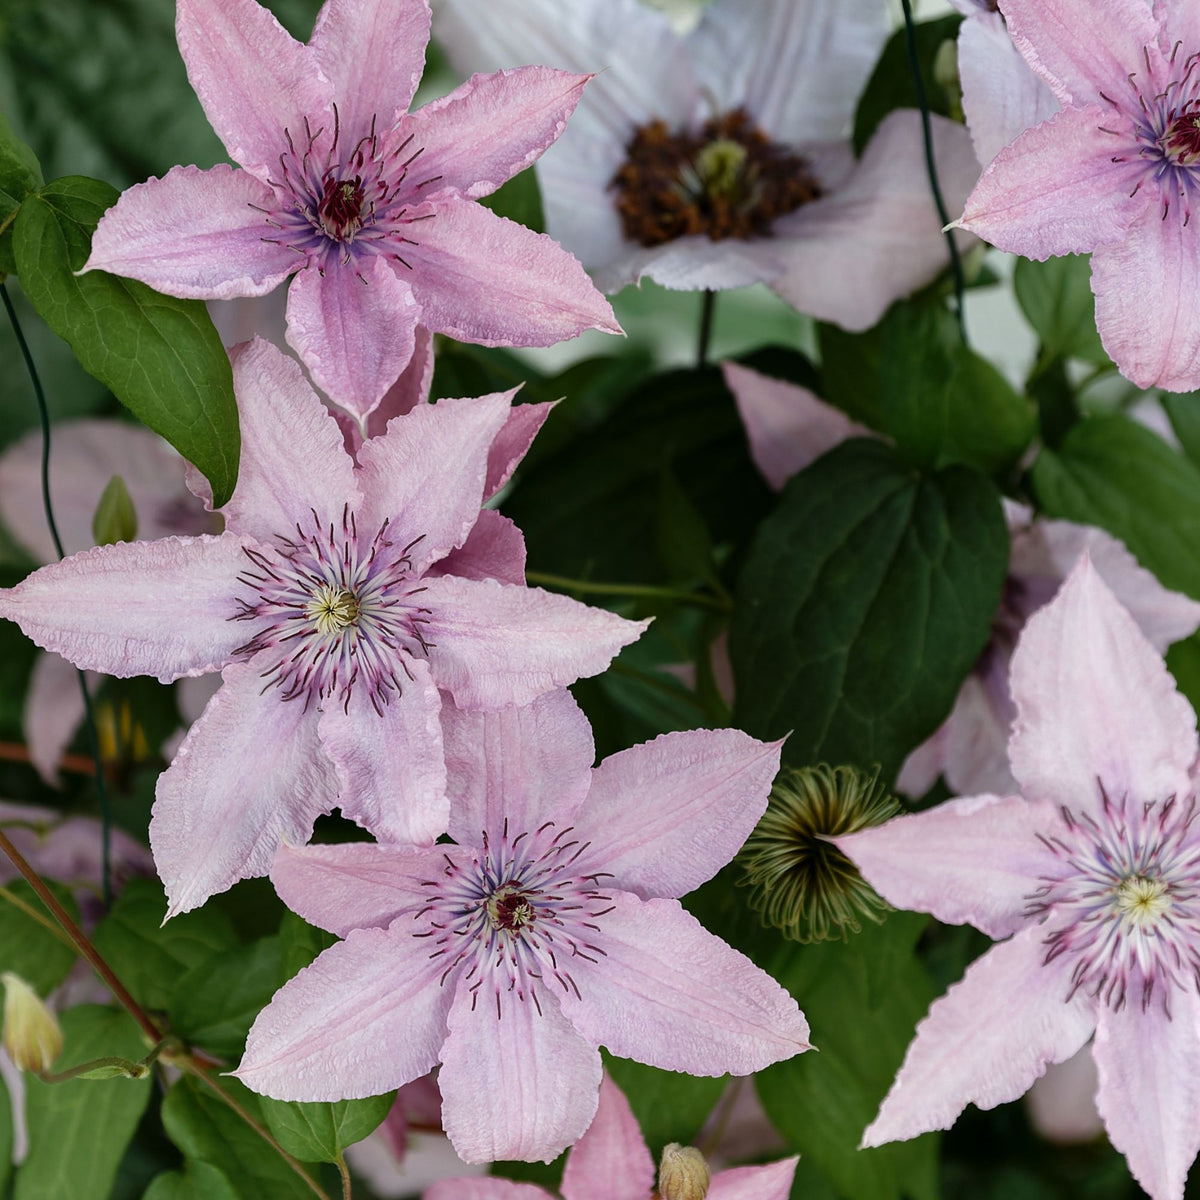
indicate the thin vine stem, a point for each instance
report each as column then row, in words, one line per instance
column 563, row 583
column 88, row 712
column 956, row 267
column 708, row 307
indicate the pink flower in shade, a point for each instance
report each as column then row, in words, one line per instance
column 371, row 207
column 1116, row 172
column 757, row 104
column 611, row 1162
column 551, row 927
column 1091, row 874
column 328, row 604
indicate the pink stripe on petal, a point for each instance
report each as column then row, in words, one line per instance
column 986, row 1040
column 160, row 608
column 482, row 278
column 497, row 644
column 610, row 1161
column 364, row 1018
column 517, row 1081
column 196, row 234
column 669, row 993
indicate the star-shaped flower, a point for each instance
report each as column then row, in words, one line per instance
column 1116, row 172
column 720, row 159
column 340, row 598
column 549, row 928
column 1092, row 875
column 371, row 207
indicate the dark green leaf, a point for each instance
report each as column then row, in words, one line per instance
column 520, row 200
column 912, row 378
column 891, row 84
column 28, row 948
column 863, row 999
column 215, row 1003
column 197, row 1181
column 1056, row 298
column 1112, row 472
column 78, row 1130
column 301, row 942
column 161, row 356
column 321, row 1132
column 865, row 600
column 1183, row 411
column 20, row 172
column 150, row 958
column 684, row 546
column 669, row 1107
column 204, row 1127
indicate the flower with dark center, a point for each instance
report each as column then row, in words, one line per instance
column 800, row 881
column 372, row 208
column 552, row 925
column 1089, row 879
column 343, row 600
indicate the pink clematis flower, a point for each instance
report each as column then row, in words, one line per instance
column 371, row 207
column 1116, row 172
column 611, row 1162
column 551, row 927
column 1091, row 875
column 329, row 604
column 720, row 159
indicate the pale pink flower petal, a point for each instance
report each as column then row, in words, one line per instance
column 1181, row 21
column 247, row 776
column 610, row 1161
column 1057, row 190
column 354, row 885
column 354, row 327
column 373, row 53
column 391, row 772
column 700, row 1007
column 771, row 1182
column 494, row 549
column 1126, row 725
column 482, row 278
column 519, row 1087
column 1062, row 1104
column 411, row 389
column 787, row 426
column 498, row 644
column 1148, row 1061
column 194, row 234
column 53, row 711
column 292, row 454
column 1145, row 300
column 690, row 264
column 923, row 767
column 253, row 78
column 136, row 608
column 361, row 1020
column 968, row 861
column 402, row 473
column 849, row 254
column 465, row 156
column 528, row 765
column 986, row 1040
column 710, row 788
column 484, row 1189
column 976, row 742
column 512, row 443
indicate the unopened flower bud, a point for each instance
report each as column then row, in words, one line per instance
column 682, row 1173
column 115, row 519
column 31, row 1033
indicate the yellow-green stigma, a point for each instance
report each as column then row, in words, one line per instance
column 800, row 882
column 720, row 165
column 1141, row 900
column 508, row 907
column 332, row 609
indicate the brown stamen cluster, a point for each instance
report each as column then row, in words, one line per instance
column 729, row 180
column 340, row 210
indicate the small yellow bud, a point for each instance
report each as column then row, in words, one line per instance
column 682, row 1173
column 31, row 1033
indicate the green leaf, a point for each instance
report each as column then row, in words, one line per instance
column 28, row 948
column 891, row 84
column 215, row 1003
column 1112, row 472
column 197, row 1181
column 160, row 356
column 1183, row 411
column 150, row 958
column 912, row 378
column 669, row 1107
column 78, row 1130
column 205, row 1128
column 301, row 942
column 1056, row 298
column 115, row 519
column 520, row 200
column 20, row 172
column 863, row 999
column 865, row 600
column 321, row 1132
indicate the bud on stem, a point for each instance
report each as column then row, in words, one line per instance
column 682, row 1173
column 32, row 1036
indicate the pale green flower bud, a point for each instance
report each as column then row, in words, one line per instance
column 31, row 1033
column 682, row 1173
column 115, row 519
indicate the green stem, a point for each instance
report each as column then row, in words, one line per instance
column 344, row 1172
column 540, row 578
column 707, row 309
column 88, row 714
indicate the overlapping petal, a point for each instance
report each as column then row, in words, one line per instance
column 494, row 549
column 484, row 1189
column 53, row 711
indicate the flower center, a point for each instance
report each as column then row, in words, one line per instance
column 332, row 609
column 1181, row 140
column 1141, row 900
column 727, row 181
column 509, row 908
column 340, row 209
